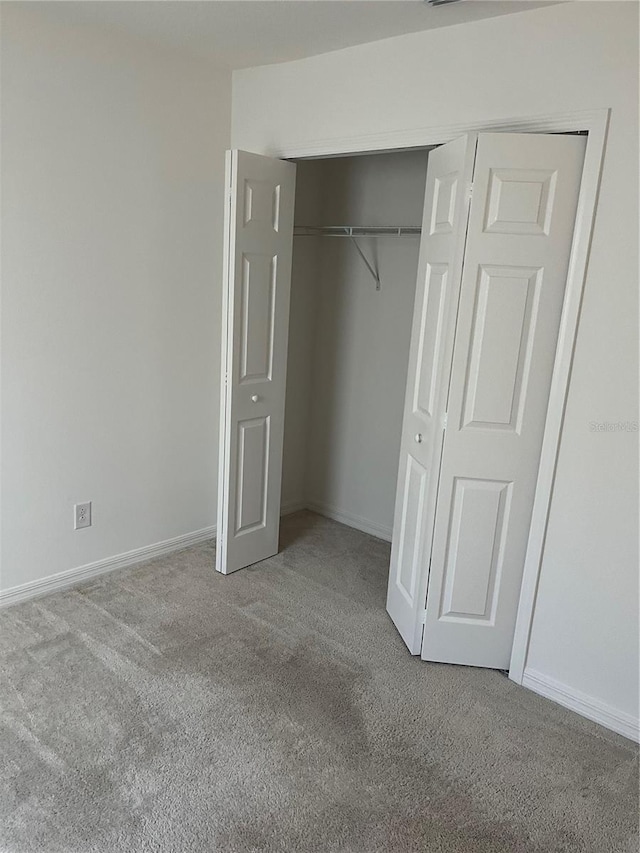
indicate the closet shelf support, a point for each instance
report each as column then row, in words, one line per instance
column 374, row 272
column 353, row 231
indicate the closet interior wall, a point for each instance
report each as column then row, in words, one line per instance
column 348, row 342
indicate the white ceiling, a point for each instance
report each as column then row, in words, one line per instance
column 244, row 33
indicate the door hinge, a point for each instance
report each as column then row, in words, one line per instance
column 422, row 617
column 445, row 420
column 469, row 190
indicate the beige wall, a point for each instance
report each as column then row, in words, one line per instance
column 112, row 198
column 568, row 57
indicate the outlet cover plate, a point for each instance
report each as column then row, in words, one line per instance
column 82, row 515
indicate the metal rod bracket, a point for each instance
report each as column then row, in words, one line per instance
column 353, row 231
column 374, row 272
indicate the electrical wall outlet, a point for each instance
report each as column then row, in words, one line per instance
column 82, row 516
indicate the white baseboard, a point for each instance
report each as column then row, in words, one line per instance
column 351, row 520
column 581, row 703
column 71, row 577
column 289, row 507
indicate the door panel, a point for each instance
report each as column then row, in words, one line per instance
column 259, row 233
column 515, row 267
column 251, row 489
column 504, row 315
column 444, row 224
column 259, row 273
column 431, row 334
column 411, row 532
column 475, row 549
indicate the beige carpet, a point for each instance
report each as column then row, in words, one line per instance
column 166, row 708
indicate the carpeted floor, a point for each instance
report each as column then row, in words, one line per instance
column 166, row 708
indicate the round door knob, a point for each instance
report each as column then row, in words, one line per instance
column 419, row 437
column 254, row 398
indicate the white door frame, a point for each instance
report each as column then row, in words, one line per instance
column 595, row 123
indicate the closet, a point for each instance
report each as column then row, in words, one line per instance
column 422, row 318
column 349, row 335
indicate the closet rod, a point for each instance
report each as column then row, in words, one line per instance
column 356, row 230
column 353, row 231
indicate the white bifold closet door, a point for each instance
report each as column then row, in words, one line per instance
column 256, row 292
column 491, row 284
column 444, row 227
